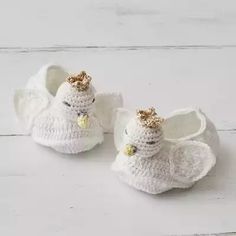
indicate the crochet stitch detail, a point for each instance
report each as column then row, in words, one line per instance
column 158, row 165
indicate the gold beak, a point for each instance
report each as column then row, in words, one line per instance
column 83, row 121
column 130, row 150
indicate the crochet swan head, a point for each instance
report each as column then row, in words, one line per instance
column 75, row 98
column 143, row 134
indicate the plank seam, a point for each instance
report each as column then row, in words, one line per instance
column 72, row 48
column 13, row 135
column 16, row 135
column 214, row 234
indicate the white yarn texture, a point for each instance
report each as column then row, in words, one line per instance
column 159, row 165
column 58, row 128
column 50, row 108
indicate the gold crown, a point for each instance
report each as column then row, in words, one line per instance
column 80, row 81
column 149, row 118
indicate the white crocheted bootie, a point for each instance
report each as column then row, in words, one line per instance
column 148, row 163
column 64, row 112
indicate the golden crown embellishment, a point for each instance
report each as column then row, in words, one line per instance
column 149, row 118
column 80, row 81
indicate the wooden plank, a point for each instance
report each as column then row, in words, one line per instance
column 167, row 79
column 220, row 234
column 117, row 23
column 46, row 193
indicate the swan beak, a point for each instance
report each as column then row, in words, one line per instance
column 130, row 150
column 83, row 121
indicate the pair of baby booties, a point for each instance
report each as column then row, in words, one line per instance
column 64, row 112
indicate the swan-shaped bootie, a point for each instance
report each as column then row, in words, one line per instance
column 63, row 112
column 148, row 162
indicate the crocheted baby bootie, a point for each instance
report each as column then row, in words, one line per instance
column 147, row 162
column 63, row 112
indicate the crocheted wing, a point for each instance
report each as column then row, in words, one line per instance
column 29, row 104
column 105, row 107
column 122, row 117
column 190, row 161
column 48, row 79
column 40, row 91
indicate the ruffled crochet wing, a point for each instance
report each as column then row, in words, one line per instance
column 105, row 107
column 29, row 104
column 190, row 161
column 38, row 94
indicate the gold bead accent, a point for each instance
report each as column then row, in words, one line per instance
column 129, row 150
column 149, row 118
column 80, row 81
column 83, row 121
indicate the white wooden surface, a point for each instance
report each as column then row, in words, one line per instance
column 117, row 22
column 168, row 54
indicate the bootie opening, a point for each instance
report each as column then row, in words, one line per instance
column 184, row 125
column 54, row 78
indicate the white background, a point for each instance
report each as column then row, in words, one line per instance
column 168, row 54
